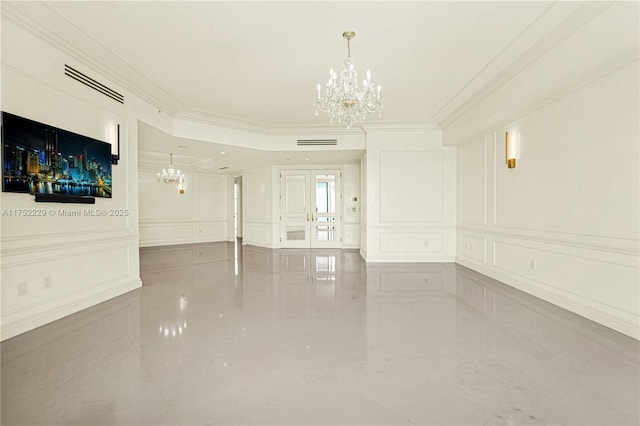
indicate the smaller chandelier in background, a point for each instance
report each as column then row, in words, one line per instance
column 344, row 101
column 172, row 176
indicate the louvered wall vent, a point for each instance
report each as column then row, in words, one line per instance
column 90, row 82
column 317, row 142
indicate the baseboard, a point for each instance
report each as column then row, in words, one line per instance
column 180, row 241
column 617, row 320
column 410, row 259
column 26, row 321
column 262, row 244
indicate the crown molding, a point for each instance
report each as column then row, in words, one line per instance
column 401, row 127
column 12, row 12
column 45, row 25
column 235, row 123
column 218, row 120
column 313, row 129
column 617, row 50
column 455, row 135
column 576, row 20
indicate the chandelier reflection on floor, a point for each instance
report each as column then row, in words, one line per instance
column 344, row 101
column 172, row 176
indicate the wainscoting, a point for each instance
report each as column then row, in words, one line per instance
column 563, row 224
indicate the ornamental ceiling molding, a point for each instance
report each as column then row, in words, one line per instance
column 571, row 24
column 42, row 30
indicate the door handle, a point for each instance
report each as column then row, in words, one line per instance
column 307, row 217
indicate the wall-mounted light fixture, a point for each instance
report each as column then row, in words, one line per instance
column 112, row 135
column 512, row 148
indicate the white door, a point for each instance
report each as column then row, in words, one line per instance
column 310, row 203
column 325, row 217
column 295, row 211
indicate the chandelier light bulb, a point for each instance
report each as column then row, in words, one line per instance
column 345, row 102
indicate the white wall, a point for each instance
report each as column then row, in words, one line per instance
column 410, row 191
column 240, row 218
column 85, row 259
column 260, row 227
column 363, row 206
column 351, row 200
column 562, row 225
column 204, row 213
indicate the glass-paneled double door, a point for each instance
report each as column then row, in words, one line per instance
column 310, row 206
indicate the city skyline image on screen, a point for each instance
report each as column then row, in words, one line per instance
column 38, row 158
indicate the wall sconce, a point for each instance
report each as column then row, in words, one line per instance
column 512, row 148
column 112, row 135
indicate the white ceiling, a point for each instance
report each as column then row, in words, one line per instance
column 260, row 61
column 208, row 157
column 256, row 64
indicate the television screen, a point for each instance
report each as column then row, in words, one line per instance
column 38, row 158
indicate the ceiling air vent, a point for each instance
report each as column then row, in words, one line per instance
column 223, row 168
column 90, row 82
column 317, row 142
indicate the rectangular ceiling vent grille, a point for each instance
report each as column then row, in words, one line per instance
column 90, row 82
column 317, row 142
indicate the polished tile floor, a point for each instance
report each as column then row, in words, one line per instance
column 224, row 334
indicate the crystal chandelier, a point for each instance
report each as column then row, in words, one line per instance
column 344, row 101
column 172, row 176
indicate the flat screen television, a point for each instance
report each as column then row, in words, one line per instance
column 43, row 159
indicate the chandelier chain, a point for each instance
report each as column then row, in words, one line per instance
column 348, row 47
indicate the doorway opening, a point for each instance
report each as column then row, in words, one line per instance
column 310, row 206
